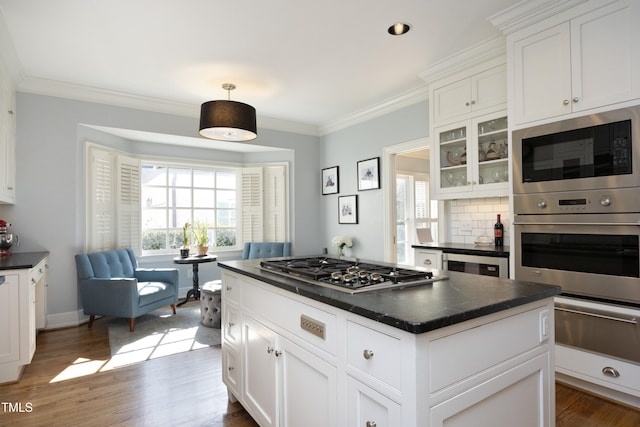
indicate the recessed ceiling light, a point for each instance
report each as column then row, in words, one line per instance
column 399, row 29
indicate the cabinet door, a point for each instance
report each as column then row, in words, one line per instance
column 308, row 387
column 491, row 170
column 489, row 89
column 9, row 318
column 605, row 56
column 450, row 149
column 231, row 371
column 452, row 100
column 259, row 376
column 542, row 74
column 517, row 397
column 368, row 408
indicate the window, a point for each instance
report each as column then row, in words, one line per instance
column 174, row 196
column 144, row 204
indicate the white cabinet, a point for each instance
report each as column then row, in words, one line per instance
column 22, row 301
column 588, row 61
column 470, row 95
column 471, row 158
column 269, row 362
column 429, row 258
column 331, row 367
column 7, row 137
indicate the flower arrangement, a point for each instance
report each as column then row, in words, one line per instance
column 341, row 242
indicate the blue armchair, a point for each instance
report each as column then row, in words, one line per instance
column 111, row 284
column 252, row 250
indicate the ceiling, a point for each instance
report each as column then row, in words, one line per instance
column 311, row 63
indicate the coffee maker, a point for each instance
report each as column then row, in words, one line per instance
column 6, row 239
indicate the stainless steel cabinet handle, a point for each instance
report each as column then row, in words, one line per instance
column 610, row 372
column 565, row 102
column 278, row 353
column 231, row 368
column 616, row 318
column 427, row 262
column 229, row 288
column 467, row 103
column 371, row 424
column 269, row 350
column 576, row 99
column 368, row 354
column 473, row 102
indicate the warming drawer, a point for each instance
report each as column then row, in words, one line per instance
column 476, row 264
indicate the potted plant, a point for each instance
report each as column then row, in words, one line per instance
column 200, row 234
column 184, row 251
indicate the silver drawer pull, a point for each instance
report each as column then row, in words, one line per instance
column 632, row 320
column 269, row 350
column 371, row 424
column 368, row 354
column 610, row 372
column 427, row 262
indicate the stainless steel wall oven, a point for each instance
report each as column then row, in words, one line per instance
column 576, row 186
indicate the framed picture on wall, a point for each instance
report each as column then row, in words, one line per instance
column 348, row 209
column 369, row 174
column 330, row 180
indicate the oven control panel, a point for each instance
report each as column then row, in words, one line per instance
column 619, row 200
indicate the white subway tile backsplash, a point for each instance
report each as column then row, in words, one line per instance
column 481, row 214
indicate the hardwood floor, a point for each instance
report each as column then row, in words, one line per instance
column 67, row 384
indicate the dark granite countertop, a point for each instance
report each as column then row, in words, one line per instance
column 417, row 309
column 467, row 249
column 20, row 260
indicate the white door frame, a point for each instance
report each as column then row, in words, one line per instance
column 389, row 191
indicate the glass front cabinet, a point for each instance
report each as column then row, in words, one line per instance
column 471, row 159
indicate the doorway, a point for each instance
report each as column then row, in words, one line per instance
column 407, row 204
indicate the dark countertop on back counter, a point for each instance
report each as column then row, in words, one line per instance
column 415, row 309
column 20, row 260
column 467, row 249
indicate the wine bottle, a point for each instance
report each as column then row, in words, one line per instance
column 498, row 232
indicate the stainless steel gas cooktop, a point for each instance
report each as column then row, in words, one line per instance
column 348, row 275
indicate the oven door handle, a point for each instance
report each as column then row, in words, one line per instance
column 599, row 224
column 632, row 320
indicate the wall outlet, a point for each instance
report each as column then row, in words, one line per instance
column 466, row 226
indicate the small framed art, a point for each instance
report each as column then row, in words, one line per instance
column 369, row 174
column 330, row 181
column 348, row 209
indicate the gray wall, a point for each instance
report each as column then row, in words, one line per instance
column 50, row 203
column 345, row 148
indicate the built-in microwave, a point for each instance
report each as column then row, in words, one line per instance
column 583, row 153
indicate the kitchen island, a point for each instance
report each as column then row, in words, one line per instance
column 470, row 350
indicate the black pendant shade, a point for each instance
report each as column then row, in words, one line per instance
column 228, row 121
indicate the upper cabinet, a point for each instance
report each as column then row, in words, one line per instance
column 468, row 111
column 471, row 158
column 578, row 60
column 7, row 137
column 470, row 95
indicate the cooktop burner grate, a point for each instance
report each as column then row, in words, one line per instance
column 346, row 275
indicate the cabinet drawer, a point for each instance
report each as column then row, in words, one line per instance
column 369, row 408
column 231, row 288
column 231, row 327
column 313, row 325
column 231, row 370
column 426, row 258
column 598, row 369
column 464, row 354
column 375, row 353
column 37, row 272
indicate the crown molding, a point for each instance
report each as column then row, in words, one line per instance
column 489, row 50
column 528, row 12
column 385, row 107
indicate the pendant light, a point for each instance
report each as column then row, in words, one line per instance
column 228, row 120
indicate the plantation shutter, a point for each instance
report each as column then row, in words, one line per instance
column 100, row 227
column 128, row 203
column 252, row 205
column 275, row 212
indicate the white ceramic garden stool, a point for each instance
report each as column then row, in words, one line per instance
column 210, row 295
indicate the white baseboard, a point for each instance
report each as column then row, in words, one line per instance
column 65, row 320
